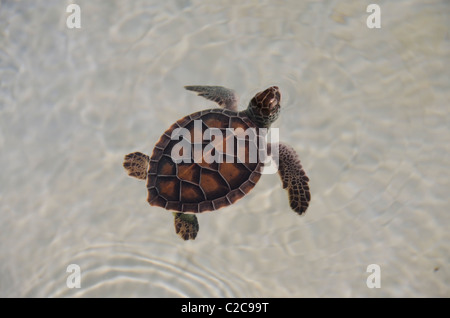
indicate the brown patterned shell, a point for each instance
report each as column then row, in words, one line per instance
column 201, row 187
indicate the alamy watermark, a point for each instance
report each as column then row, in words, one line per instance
column 374, row 279
column 229, row 145
column 74, row 279
column 74, row 19
column 374, row 19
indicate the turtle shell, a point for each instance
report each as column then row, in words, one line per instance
column 196, row 186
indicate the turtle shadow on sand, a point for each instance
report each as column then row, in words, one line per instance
column 196, row 186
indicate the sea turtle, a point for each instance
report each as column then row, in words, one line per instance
column 199, row 184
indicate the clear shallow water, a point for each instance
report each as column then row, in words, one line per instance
column 367, row 110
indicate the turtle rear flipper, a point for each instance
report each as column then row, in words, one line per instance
column 186, row 225
column 293, row 178
column 225, row 97
column 136, row 165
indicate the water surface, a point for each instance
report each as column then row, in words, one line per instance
column 366, row 109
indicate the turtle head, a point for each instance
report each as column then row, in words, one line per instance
column 264, row 108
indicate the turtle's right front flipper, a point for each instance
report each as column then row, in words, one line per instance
column 225, row 97
column 293, row 178
column 186, row 225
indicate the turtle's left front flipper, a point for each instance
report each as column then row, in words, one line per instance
column 294, row 178
column 225, row 97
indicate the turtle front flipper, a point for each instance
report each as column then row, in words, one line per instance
column 293, row 178
column 136, row 165
column 225, row 97
column 186, row 225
